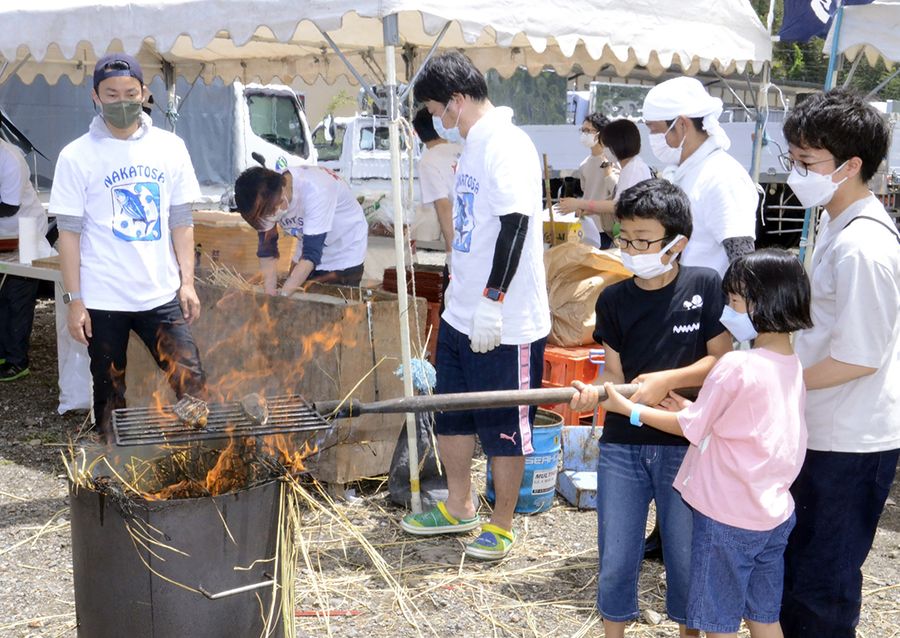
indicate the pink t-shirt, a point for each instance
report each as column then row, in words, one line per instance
column 748, row 440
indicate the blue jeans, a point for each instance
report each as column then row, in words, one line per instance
column 839, row 498
column 628, row 478
column 735, row 573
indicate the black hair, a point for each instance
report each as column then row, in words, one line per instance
column 775, row 287
column 696, row 121
column 598, row 121
column 256, row 194
column 623, row 138
column 657, row 199
column 424, row 126
column 447, row 74
column 842, row 123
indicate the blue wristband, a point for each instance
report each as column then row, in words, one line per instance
column 635, row 419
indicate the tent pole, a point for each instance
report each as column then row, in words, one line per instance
column 391, row 39
column 350, row 67
column 427, row 57
column 807, row 235
column 762, row 116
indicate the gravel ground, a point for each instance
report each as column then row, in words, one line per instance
column 546, row 588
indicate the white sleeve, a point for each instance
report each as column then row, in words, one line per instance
column 867, row 301
column 733, row 202
column 185, row 188
column 68, row 195
column 318, row 201
column 10, row 178
column 432, row 182
column 508, row 167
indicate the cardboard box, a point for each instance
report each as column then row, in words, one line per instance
column 322, row 344
column 225, row 238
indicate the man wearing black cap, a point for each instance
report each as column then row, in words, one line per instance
column 122, row 196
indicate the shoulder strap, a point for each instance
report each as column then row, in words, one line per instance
column 877, row 221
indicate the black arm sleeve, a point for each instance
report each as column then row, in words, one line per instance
column 508, row 250
column 8, row 210
column 738, row 247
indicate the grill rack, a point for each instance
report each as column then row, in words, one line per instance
column 155, row 426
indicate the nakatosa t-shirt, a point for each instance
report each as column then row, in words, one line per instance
column 498, row 174
column 123, row 190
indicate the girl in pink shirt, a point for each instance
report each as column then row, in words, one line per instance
column 748, row 440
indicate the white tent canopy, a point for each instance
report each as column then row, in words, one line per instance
column 263, row 39
column 870, row 28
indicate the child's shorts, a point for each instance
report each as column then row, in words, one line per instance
column 502, row 431
column 735, row 573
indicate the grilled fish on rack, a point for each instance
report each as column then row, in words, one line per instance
column 191, row 411
column 256, row 408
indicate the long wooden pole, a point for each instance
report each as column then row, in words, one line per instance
column 549, row 196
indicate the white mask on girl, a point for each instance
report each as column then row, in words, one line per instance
column 649, row 265
column 814, row 189
column 738, row 324
column 660, row 147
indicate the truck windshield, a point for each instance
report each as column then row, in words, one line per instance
column 329, row 149
column 275, row 118
column 377, row 138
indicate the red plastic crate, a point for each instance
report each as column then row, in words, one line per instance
column 561, row 367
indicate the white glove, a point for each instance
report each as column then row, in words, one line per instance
column 487, row 325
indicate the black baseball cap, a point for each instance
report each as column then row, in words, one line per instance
column 117, row 64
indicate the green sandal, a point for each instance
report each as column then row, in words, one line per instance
column 493, row 543
column 437, row 520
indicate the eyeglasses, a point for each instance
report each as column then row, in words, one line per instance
column 639, row 245
column 788, row 163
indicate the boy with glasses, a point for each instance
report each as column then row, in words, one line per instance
column 851, row 360
column 660, row 329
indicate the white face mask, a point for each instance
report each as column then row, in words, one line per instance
column 588, row 140
column 814, row 189
column 451, row 134
column 738, row 324
column 649, row 265
column 660, row 147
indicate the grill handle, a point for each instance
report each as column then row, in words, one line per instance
column 459, row 401
column 236, row 590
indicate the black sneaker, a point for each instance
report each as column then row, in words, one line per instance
column 11, row 372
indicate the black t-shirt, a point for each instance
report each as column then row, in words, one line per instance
column 656, row 330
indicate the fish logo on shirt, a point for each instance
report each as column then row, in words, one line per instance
column 463, row 222
column 136, row 215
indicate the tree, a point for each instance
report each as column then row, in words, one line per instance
column 807, row 62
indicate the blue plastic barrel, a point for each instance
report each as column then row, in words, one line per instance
column 539, row 481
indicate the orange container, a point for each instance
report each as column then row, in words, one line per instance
column 562, row 366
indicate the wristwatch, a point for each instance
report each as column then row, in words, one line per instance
column 494, row 294
column 69, row 297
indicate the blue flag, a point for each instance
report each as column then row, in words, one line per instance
column 805, row 19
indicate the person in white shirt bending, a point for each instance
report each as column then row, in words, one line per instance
column 497, row 317
column 314, row 205
column 122, row 197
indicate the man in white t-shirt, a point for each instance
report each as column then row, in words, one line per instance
column 851, row 360
column 437, row 173
column 17, row 294
column 315, row 206
column 685, row 133
column 122, row 196
column 497, row 318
